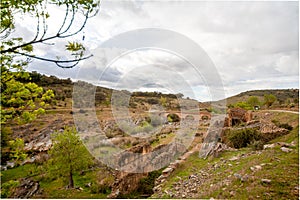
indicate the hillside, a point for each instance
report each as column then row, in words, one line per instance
column 285, row 97
column 270, row 173
column 218, row 176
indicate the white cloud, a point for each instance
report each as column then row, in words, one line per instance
column 253, row 44
column 287, row 62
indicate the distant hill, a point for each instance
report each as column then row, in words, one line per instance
column 63, row 89
column 284, row 96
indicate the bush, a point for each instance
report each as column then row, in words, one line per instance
column 243, row 137
column 103, row 189
column 6, row 133
column 243, row 105
column 152, row 101
column 146, row 184
column 173, row 118
column 8, row 187
column 257, row 145
column 286, row 126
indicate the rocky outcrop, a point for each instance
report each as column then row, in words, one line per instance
column 39, row 145
column 271, row 128
column 126, row 182
column 26, row 189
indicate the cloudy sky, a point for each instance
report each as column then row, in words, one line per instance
column 238, row 45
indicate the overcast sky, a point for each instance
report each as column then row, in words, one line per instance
column 253, row 45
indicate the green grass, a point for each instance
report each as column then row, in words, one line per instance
column 18, row 172
column 56, row 187
column 284, row 117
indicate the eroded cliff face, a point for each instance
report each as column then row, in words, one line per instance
column 126, row 182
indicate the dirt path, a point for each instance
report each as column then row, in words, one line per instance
column 286, row 111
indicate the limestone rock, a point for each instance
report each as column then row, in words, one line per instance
column 269, row 146
column 284, row 149
column 265, row 180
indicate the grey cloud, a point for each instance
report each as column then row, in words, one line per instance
column 253, row 44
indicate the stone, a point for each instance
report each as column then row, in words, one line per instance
column 238, row 176
column 28, row 161
column 256, row 168
column 284, row 144
column 88, row 184
column 194, row 190
column 234, row 158
column 167, row 170
column 10, row 164
column 192, row 176
column 284, row 149
column 244, row 178
column 269, row 146
column 79, row 188
column 265, row 180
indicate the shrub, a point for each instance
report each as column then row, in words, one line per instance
column 243, row 137
column 173, row 118
column 243, row 105
column 286, row 126
column 257, row 145
column 146, row 184
column 153, row 101
column 6, row 133
column 103, row 189
column 7, row 188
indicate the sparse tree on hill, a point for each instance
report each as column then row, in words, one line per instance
column 269, row 99
column 68, row 154
column 253, row 101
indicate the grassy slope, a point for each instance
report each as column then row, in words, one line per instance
column 281, row 168
column 56, row 188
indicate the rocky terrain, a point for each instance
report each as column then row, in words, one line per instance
column 207, row 168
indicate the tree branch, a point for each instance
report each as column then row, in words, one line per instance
column 59, row 63
column 64, row 31
column 65, row 18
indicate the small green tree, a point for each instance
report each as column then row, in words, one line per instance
column 68, row 154
column 269, row 99
column 17, row 149
column 243, row 105
column 163, row 101
column 253, row 101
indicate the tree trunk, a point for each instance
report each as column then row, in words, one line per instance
column 71, row 182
